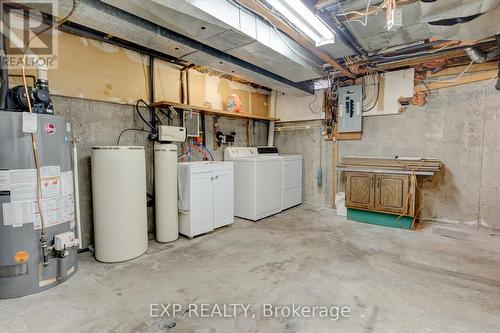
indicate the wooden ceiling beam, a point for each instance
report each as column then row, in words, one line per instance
column 411, row 62
column 484, row 67
column 470, row 78
column 296, row 36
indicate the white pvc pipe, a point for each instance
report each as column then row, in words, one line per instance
column 272, row 113
column 76, row 192
column 41, row 68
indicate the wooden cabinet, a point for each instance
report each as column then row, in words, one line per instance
column 381, row 192
column 392, row 193
column 359, row 190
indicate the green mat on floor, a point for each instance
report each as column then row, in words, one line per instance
column 386, row 220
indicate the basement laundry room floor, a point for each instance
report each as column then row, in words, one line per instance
column 393, row 280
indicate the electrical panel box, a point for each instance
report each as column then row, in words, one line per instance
column 350, row 113
column 192, row 124
column 171, row 134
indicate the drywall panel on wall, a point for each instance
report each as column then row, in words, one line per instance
column 167, row 81
column 99, row 71
column 213, row 91
column 393, row 86
column 293, row 108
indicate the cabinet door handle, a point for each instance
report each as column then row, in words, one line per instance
column 216, row 177
column 211, row 178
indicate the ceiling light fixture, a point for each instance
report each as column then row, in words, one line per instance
column 304, row 19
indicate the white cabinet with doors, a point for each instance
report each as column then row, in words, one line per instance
column 205, row 196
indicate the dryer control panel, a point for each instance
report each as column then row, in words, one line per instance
column 266, row 150
column 237, row 152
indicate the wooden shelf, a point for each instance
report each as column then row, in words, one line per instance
column 242, row 115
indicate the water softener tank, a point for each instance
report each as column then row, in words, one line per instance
column 22, row 269
column 119, row 202
column 167, row 225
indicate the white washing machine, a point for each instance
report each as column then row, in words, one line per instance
column 257, row 182
column 291, row 176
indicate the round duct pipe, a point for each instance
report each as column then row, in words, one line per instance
column 475, row 55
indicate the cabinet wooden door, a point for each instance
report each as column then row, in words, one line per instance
column 223, row 198
column 359, row 188
column 391, row 193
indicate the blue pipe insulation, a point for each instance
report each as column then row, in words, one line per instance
column 205, row 149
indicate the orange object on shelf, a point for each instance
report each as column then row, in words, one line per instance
column 234, row 103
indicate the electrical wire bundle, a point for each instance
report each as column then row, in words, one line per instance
column 371, row 91
column 203, row 150
column 152, row 127
column 332, row 94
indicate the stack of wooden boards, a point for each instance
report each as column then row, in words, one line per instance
column 421, row 165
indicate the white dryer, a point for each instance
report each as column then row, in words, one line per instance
column 257, row 182
column 291, row 176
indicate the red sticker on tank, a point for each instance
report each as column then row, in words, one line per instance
column 50, row 128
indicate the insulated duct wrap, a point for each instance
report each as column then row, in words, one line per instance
column 461, row 19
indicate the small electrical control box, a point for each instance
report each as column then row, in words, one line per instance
column 192, row 124
column 171, row 134
column 65, row 241
column 350, row 112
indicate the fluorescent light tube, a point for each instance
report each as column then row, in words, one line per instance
column 300, row 16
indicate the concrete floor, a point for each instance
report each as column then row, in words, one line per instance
column 393, row 280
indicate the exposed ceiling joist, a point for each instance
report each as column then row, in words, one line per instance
column 299, row 38
column 416, row 61
column 474, row 68
column 474, row 77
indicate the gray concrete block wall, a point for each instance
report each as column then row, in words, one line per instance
column 99, row 123
column 458, row 125
column 96, row 124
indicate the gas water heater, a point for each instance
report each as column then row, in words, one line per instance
column 27, row 264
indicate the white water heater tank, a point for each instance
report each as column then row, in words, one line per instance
column 167, row 224
column 119, row 200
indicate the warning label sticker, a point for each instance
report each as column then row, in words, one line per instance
column 4, row 180
column 50, row 181
column 57, row 201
